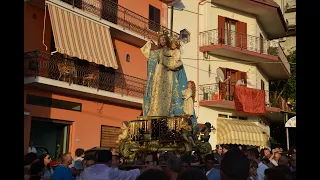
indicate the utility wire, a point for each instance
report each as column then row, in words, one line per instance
column 246, row 62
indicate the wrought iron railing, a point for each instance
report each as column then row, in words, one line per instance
column 235, row 39
column 80, row 72
column 112, row 12
column 225, row 91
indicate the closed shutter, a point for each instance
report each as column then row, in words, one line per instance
column 221, row 28
column 109, row 136
column 241, row 35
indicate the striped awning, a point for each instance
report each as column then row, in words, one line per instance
column 78, row 36
column 230, row 131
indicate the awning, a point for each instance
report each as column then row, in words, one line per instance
column 81, row 37
column 230, row 131
column 291, row 122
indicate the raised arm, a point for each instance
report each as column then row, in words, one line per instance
column 146, row 49
column 115, row 173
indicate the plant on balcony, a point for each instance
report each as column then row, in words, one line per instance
column 285, row 88
column 273, row 51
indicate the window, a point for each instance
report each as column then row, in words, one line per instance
column 262, row 85
column 55, row 103
column 128, row 58
column 232, row 32
column 185, row 35
column 154, row 17
column 226, row 88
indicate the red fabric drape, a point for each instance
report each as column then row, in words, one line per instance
column 250, row 100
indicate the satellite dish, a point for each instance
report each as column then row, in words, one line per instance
column 220, row 75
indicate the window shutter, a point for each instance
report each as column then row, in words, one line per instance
column 241, row 35
column 221, row 21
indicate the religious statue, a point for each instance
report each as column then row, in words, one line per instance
column 205, row 131
column 186, row 128
column 124, row 132
column 188, row 97
column 166, row 78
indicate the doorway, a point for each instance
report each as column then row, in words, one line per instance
column 52, row 135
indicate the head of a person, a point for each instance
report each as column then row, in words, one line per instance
column 154, row 174
column 115, row 161
column 105, row 157
column 266, row 152
column 30, row 158
column 283, row 161
column 79, row 152
column 277, row 156
column 174, row 44
column 253, row 166
column 192, row 174
column 210, row 161
column 219, row 149
column 90, row 160
column 174, row 165
column 278, row 173
column 163, row 40
column 234, row 165
column 30, row 143
column 225, row 149
column 84, row 163
column 66, row 159
column 45, row 159
column 36, row 169
column 253, row 153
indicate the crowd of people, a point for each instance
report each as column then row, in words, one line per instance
column 224, row 163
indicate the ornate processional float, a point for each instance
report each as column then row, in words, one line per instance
column 169, row 122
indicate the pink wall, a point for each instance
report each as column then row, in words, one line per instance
column 141, row 7
column 33, row 27
column 138, row 63
column 86, row 124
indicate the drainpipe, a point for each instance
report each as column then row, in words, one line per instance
column 198, row 48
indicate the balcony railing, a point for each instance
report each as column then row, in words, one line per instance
column 112, row 12
column 290, row 6
column 225, row 91
column 235, row 39
column 80, row 72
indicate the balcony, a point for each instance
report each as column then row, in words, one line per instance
column 290, row 6
column 222, row 96
column 247, row 48
column 124, row 24
column 80, row 78
column 268, row 14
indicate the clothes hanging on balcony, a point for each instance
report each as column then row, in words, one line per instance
column 250, row 100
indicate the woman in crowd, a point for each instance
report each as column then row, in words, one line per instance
column 45, row 160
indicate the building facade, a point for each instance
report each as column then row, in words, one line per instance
column 84, row 71
column 227, row 41
column 288, row 8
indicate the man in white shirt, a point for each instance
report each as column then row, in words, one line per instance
column 253, row 153
column 31, row 148
column 103, row 170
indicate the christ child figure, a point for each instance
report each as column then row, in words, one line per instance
column 188, row 96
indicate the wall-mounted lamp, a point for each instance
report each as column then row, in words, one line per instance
column 128, row 58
